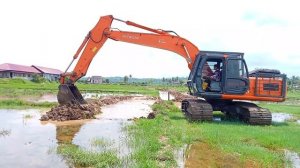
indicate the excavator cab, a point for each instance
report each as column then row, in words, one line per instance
column 230, row 76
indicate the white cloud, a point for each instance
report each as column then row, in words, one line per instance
column 48, row 33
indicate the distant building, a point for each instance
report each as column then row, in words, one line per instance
column 8, row 70
column 48, row 73
column 96, row 79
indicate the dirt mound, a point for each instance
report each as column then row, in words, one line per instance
column 179, row 96
column 84, row 111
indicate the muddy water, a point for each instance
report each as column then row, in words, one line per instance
column 293, row 158
column 89, row 95
column 202, row 155
column 43, row 98
column 164, row 95
column 281, row 117
column 32, row 143
column 29, row 142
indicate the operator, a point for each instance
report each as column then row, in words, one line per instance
column 216, row 76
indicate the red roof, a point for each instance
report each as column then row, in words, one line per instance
column 17, row 68
column 48, row 70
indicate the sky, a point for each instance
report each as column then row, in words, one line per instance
column 48, row 33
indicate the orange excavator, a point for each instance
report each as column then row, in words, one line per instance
column 220, row 81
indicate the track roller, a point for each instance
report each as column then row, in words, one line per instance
column 249, row 112
column 197, row 110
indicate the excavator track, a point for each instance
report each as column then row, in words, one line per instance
column 197, row 110
column 250, row 113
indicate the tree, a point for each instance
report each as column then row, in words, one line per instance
column 125, row 79
column 38, row 79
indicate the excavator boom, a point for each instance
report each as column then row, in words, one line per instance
column 95, row 39
column 235, row 83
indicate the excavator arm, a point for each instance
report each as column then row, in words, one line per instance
column 95, row 39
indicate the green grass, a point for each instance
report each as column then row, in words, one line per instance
column 101, row 142
column 15, row 88
column 282, row 108
column 15, row 103
column 262, row 144
column 78, row 157
column 294, row 94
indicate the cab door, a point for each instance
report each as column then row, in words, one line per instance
column 236, row 79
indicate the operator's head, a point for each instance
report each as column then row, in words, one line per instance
column 216, row 66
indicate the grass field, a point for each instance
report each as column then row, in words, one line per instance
column 15, row 88
column 257, row 146
column 155, row 141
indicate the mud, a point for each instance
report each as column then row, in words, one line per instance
column 203, row 155
column 83, row 111
column 179, row 96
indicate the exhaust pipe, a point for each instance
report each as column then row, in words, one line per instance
column 68, row 93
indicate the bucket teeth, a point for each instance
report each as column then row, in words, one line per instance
column 69, row 94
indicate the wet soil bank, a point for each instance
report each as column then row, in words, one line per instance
column 81, row 111
column 174, row 95
column 203, row 155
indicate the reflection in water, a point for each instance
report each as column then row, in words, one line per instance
column 32, row 143
column 293, row 157
column 29, row 142
column 5, row 132
column 66, row 133
column 203, row 155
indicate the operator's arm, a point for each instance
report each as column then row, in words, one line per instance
column 102, row 31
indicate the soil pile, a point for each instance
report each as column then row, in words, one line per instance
column 179, row 96
column 81, row 111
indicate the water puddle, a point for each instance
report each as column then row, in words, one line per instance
column 95, row 95
column 281, row 117
column 164, row 95
column 28, row 142
column 44, row 98
column 218, row 119
column 180, row 156
column 90, row 95
column 293, row 158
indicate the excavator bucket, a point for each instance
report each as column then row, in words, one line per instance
column 68, row 93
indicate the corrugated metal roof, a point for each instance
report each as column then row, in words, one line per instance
column 18, row 68
column 48, row 70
